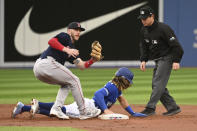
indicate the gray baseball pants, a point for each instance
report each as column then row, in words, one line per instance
column 161, row 75
column 52, row 72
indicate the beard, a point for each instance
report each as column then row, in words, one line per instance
column 74, row 38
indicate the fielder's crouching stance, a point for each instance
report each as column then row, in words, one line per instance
column 49, row 68
column 103, row 99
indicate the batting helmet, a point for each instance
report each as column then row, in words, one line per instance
column 126, row 73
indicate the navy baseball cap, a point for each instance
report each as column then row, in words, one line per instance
column 75, row 25
column 145, row 12
column 126, row 73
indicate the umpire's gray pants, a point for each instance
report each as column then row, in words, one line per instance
column 160, row 79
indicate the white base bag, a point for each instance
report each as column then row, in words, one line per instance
column 115, row 116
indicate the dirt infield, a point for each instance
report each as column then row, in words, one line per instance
column 186, row 120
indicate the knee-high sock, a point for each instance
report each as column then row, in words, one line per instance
column 46, row 107
column 44, row 112
column 26, row 108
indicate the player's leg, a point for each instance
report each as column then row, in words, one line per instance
column 58, row 74
column 36, row 107
column 85, row 111
column 20, row 108
column 90, row 103
column 43, row 108
column 69, row 81
column 59, row 102
column 73, row 112
column 50, row 71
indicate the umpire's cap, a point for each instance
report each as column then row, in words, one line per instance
column 126, row 73
column 145, row 12
column 75, row 25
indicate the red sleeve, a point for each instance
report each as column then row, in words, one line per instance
column 54, row 43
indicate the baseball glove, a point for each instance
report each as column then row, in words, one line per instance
column 96, row 53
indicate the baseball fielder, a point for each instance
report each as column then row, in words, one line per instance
column 49, row 68
column 103, row 99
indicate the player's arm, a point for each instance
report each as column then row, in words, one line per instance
column 83, row 64
column 124, row 103
column 99, row 99
column 54, row 43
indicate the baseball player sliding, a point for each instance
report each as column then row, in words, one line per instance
column 103, row 99
column 49, row 68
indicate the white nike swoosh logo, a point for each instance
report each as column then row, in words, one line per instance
column 30, row 43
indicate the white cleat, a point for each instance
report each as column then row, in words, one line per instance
column 57, row 112
column 91, row 113
column 17, row 109
column 34, row 107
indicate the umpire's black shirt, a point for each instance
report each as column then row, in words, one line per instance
column 159, row 40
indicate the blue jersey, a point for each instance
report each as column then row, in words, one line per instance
column 58, row 55
column 106, row 96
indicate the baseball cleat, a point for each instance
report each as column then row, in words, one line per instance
column 57, row 112
column 17, row 109
column 172, row 112
column 148, row 111
column 34, row 107
column 91, row 113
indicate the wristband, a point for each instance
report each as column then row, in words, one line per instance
column 88, row 63
column 129, row 110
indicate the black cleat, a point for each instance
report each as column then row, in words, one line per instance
column 172, row 112
column 148, row 111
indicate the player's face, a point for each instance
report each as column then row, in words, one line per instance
column 148, row 21
column 75, row 34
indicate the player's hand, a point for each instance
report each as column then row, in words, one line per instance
column 71, row 52
column 107, row 111
column 136, row 114
column 175, row 66
column 143, row 66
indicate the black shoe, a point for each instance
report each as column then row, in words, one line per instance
column 172, row 112
column 148, row 111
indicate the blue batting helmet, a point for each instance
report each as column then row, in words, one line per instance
column 126, row 73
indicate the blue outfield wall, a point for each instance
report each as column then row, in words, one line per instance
column 181, row 16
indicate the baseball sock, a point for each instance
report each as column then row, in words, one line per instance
column 44, row 112
column 46, row 106
column 26, row 108
column 64, row 109
column 47, row 112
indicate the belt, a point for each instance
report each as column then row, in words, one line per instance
column 47, row 57
column 43, row 57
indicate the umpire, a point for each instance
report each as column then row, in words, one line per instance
column 159, row 43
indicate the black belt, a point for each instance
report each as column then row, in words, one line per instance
column 43, row 57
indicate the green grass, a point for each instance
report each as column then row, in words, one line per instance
column 16, row 128
column 21, row 85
